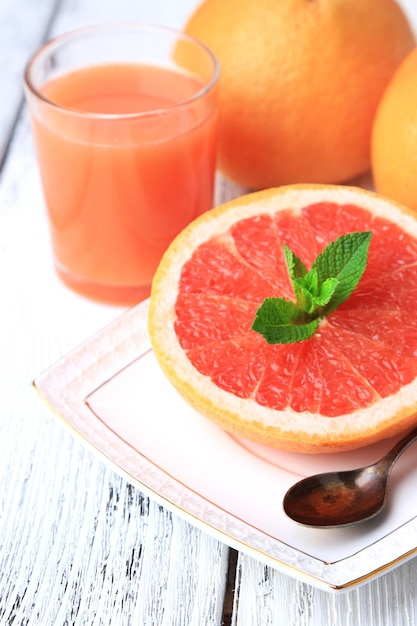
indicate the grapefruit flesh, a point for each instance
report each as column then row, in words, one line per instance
column 363, row 353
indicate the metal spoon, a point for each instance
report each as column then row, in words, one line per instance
column 343, row 498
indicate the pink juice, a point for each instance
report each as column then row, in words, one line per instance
column 119, row 186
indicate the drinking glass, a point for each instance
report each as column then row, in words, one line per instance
column 124, row 119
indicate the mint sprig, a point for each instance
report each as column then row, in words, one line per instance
column 332, row 278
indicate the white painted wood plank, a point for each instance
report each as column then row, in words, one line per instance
column 90, row 549
column 79, row 13
column 22, row 27
column 267, row 597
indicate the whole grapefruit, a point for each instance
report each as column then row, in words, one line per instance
column 300, row 83
column 394, row 136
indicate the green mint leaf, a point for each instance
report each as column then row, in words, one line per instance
column 311, row 281
column 300, row 278
column 306, row 289
column 296, row 268
column 313, row 296
column 332, row 278
column 305, row 297
column 282, row 321
column 344, row 259
column 326, row 292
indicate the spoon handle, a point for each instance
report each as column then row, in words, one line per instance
column 401, row 446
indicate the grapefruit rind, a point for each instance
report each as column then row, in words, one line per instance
column 292, row 110
column 287, row 429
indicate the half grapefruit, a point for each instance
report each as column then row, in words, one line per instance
column 354, row 382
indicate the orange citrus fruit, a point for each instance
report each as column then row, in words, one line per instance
column 299, row 84
column 394, row 136
column 353, row 382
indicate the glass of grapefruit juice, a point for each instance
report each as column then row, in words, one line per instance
column 124, row 119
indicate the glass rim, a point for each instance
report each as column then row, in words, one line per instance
column 50, row 43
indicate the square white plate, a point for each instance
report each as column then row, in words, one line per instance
column 111, row 392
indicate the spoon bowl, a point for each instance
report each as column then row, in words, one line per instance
column 336, row 499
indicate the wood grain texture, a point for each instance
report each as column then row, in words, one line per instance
column 85, row 547
column 266, row 597
column 24, row 24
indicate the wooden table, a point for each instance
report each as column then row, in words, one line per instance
column 79, row 544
